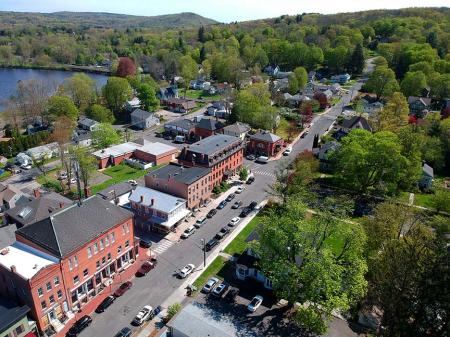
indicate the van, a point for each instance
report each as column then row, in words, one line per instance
column 180, row 139
column 200, row 222
column 262, row 159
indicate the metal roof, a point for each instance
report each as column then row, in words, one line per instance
column 212, row 144
column 185, row 175
column 161, row 201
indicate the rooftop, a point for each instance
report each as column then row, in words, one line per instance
column 185, row 175
column 184, row 123
column 27, row 260
column 139, row 113
column 157, row 148
column 161, row 201
column 141, row 144
column 117, row 189
column 265, row 136
column 237, row 128
column 87, row 122
column 212, row 144
column 71, row 228
column 11, row 313
column 209, row 124
column 349, row 123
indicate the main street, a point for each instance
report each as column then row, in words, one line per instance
column 161, row 282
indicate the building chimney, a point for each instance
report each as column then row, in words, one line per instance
column 4, row 251
column 142, row 199
column 152, row 202
column 13, row 269
column 61, row 205
column 37, row 193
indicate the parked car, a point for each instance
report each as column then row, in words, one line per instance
column 250, row 157
column 255, row 303
column 245, row 212
column 145, row 268
column 123, row 288
column 222, row 204
column 105, row 304
column 233, row 222
column 200, row 222
column 230, row 197
column 26, row 166
column 183, row 273
column 240, row 189
column 252, row 205
column 188, row 232
column 288, row 151
column 237, row 204
column 143, row 315
column 168, row 136
column 262, row 159
column 132, row 182
column 145, row 243
column 225, row 230
column 220, row 289
column 211, row 213
column 179, row 139
column 124, row 332
column 250, row 180
column 219, row 236
column 210, row 285
column 79, row 326
column 231, row 295
column 211, row 244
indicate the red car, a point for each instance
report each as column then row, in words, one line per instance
column 145, row 268
column 122, row 289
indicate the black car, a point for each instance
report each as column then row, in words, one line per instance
column 252, row 205
column 246, row 211
column 105, row 304
column 230, row 197
column 222, row 204
column 211, row 244
column 79, row 326
column 224, row 230
column 144, row 243
column 250, row 180
column 124, row 332
column 231, row 295
column 220, row 236
column 211, row 213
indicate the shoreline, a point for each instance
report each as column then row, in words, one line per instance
column 62, row 67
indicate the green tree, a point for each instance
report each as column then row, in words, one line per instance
column 394, row 114
column 87, row 164
column 356, row 61
column 101, row 114
column 441, row 200
column 189, row 71
column 81, row 88
column 116, row 92
column 316, row 261
column 172, row 310
column 336, row 59
column 243, row 173
column 368, row 161
column 297, row 80
column 382, row 82
column 105, row 135
column 413, row 83
column 61, row 106
column 147, row 96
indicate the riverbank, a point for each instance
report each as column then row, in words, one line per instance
column 62, row 67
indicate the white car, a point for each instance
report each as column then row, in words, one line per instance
column 234, row 221
column 240, row 189
column 132, row 182
column 288, row 151
column 262, row 159
column 210, row 285
column 73, row 181
column 143, row 315
column 188, row 232
column 62, row 176
column 183, row 273
column 255, row 303
column 26, row 167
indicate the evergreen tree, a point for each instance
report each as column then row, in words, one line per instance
column 356, row 62
column 201, row 34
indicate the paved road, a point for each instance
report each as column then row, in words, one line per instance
column 160, row 283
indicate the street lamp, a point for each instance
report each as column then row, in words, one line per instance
column 204, row 253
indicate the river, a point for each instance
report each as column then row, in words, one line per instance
column 10, row 76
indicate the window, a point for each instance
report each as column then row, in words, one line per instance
column 127, row 243
column 95, row 248
column 70, row 263
column 113, row 237
column 106, row 241
column 123, row 229
column 59, row 294
column 75, row 260
column 102, row 245
column 20, row 329
column 85, row 272
column 40, row 292
column 127, row 228
column 51, row 299
column 49, row 286
column 119, row 249
column 98, row 264
column 56, row 281
column 43, row 304
column 76, row 279
column 109, row 256
column 89, row 252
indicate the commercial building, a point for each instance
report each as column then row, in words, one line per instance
column 264, row 143
column 190, row 183
column 221, row 153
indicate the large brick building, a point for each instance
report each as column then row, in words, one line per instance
column 221, row 153
column 63, row 264
column 265, row 143
column 190, row 183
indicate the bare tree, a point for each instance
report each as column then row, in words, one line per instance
column 32, row 98
column 13, row 114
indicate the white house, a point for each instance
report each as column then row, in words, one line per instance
column 132, row 104
column 142, row 119
column 88, row 124
column 48, row 150
column 237, row 129
column 247, row 267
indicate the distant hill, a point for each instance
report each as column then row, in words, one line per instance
column 103, row 20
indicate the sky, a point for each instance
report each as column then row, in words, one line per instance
column 220, row 10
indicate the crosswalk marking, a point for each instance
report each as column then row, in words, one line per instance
column 265, row 173
column 162, row 246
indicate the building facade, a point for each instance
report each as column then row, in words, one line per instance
column 265, row 143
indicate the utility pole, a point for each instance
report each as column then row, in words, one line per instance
column 76, row 167
column 204, row 253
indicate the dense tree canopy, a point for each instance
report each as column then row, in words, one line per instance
column 61, row 106
column 382, row 82
column 105, row 135
column 116, row 92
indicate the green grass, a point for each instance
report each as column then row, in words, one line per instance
column 198, row 94
column 238, row 245
column 5, row 175
column 213, row 269
column 424, row 200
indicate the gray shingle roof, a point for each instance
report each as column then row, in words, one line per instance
column 11, row 313
column 427, row 169
column 65, row 231
column 142, row 114
column 185, row 175
column 265, row 136
column 186, row 124
column 119, row 189
column 351, row 122
column 212, row 144
column 237, row 128
column 87, row 122
column 209, row 124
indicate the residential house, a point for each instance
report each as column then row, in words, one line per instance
column 237, row 129
column 180, row 105
column 219, row 109
column 419, row 106
column 264, row 143
column 207, row 127
column 283, row 74
column 48, row 151
column 210, row 90
column 14, row 320
column 141, row 150
column 189, row 183
column 312, row 76
column 142, row 119
column 87, row 124
column 370, row 105
column 36, row 208
column 246, row 267
column 23, row 159
column 223, row 154
column 295, row 101
column 67, row 262
column 165, row 94
column 271, row 70
column 132, row 104
column 426, row 181
column 161, row 212
column 341, row 78
column 10, row 196
column 323, row 97
column 82, row 138
column 355, row 122
column 117, row 194
column 324, row 154
column 184, row 127
column 335, row 88
column 199, row 84
column 223, row 87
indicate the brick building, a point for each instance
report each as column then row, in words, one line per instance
column 190, row 183
column 207, row 127
column 221, row 153
column 64, row 263
column 264, row 143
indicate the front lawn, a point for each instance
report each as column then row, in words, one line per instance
column 213, row 269
column 424, row 200
column 5, row 175
column 198, row 94
column 238, row 245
